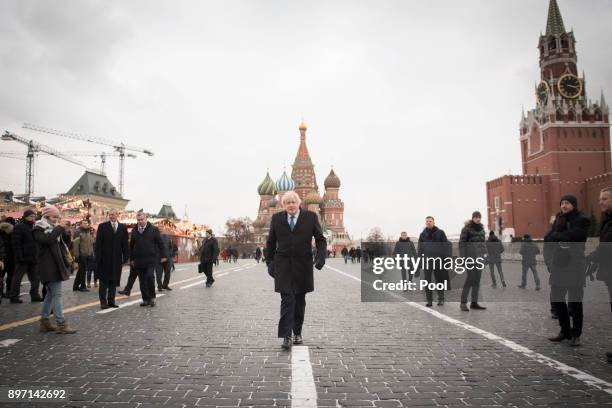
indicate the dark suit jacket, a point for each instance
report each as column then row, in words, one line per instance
column 111, row 250
column 146, row 249
column 290, row 252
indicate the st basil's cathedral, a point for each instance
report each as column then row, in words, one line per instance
column 329, row 208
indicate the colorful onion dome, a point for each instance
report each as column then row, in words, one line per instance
column 284, row 183
column 313, row 198
column 272, row 203
column 267, row 186
column 332, row 181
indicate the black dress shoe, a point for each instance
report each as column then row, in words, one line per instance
column 152, row 303
column 104, row 306
column 143, row 304
column 464, row 307
column 575, row 341
column 286, row 343
column 440, row 302
column 36, row 298
column 167, row 288
column 428, row 304
column 609, row 357
column 113, row 305
column 124, row 292
column 297, row 339
column 560, row 337
column 476, row 306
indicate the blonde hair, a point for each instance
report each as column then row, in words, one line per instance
column 291, row 195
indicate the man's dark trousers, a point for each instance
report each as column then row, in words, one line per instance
column 79, row 280
column 293, row 306
column 131, row 279
column 573, row 308
column 162, row 269
column 472, row 282
column 107, row 291
column 21, row 269
column 208, row 271
column 146, row 279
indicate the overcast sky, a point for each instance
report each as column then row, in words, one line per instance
column 416, row 104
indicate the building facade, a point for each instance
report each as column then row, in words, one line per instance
column 564, row 142
column 329, row 207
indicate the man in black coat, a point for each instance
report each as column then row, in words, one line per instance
column 603, row 254
column 26, row 257
column 111, row 254
column 404, row 246
column 564, row 249
column 494, row 250
column 529, row 250
column 472, row 245
column 146, row 251
column 210, row 252
column 289, row 260
column 434, row 244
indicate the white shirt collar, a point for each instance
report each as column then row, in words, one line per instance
column 297, row 214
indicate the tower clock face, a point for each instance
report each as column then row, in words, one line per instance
column 542, row 93
column 569, row 86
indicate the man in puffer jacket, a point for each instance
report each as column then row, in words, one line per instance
column 53, row 268
column 472, row 245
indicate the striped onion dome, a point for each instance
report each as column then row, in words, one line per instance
column 273, row 201
column 267, row 186
column 284, row 183
column 313, row 198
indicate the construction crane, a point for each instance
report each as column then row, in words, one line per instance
column 34, row 148
column 120, row 148
column 101, row 155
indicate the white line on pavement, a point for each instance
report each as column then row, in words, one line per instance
column 8, row 342
column 125, row 304
column 193, row 284
column 541, row 358
column 223, row 274
column 303, row 390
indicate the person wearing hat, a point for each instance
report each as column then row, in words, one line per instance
column 53, row 268
column 472, row 245
column 26, row 258
column 564, row 247
column 210, row 252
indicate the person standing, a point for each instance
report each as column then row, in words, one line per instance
column 564, row 247
column 6, row 256
column 603, row 254
column 472, row 245
column 53, row 268
column 345, row 254
column 162, row 270
column 26, row 258
column 529, row 250
column 82, row 250
column 210, row 252
column 433, row 243
column 258, row 254
column 289, row 261
column 404, row 246
column 146, row 251
column 111, row 253
column 494, row 250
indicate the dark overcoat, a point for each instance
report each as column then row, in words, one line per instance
column 433, row 243
column 564, row 247
column 289, row 253
column 146, row 249
column 111, row 251
column 52, row 264
column 603, row 253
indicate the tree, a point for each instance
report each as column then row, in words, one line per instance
column 239, row 230
column 375, row 235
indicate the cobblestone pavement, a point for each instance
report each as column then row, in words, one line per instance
column 217, row 347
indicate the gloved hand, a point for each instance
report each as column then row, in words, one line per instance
column 319, row 265
column 271, row 269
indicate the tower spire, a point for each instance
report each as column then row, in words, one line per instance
column 554, row 23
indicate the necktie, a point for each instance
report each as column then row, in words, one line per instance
column 292, row 222
column 114, row 226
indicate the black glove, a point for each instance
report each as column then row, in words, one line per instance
column 271, row 270
column 319, row 265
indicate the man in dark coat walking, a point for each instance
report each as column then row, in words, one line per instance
column 26, row 257
column 494, row 250
column 146, row 251
column 210, row 252
column 564, row 249
column 290, row 263
column 529, row 250
column 404, row 246
column 603, row 254
column 472, row 244
column 111, row 253
column 434, row 244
